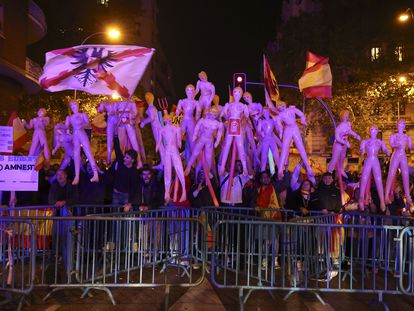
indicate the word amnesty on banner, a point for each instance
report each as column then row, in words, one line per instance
column 17, row 173
column 6, row 139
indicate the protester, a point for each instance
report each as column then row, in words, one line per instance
column 62, row 192
column 236, row 192
column 148, row 192
column 327, row 197
column 125, row 173
column 199, row 193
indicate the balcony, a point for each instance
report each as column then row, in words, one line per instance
column 36, row 23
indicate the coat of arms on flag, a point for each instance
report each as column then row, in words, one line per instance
column 96, row 69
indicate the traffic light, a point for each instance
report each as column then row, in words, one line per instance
column 239, row 79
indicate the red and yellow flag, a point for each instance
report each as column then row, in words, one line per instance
column 19, row 132
column 316, row 80
column 270, row 81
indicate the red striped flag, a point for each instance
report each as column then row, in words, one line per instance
column 270, row 81
column 96, row 69
column 316, row 80
column 20, row 136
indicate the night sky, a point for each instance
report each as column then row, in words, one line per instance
column 220, row 37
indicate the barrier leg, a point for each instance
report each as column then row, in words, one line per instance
column 320, row 298
column 167, row 297
column 105, row 289
column 380, row 300
column 241, row 299
column 288, row 295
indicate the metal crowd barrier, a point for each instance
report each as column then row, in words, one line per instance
column 313, row 256
column 97, row 252
column 101, row 247
column 17, row 259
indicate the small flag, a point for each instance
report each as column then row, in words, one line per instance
column 316, row 80
column 20, row 137
column 40, row 162
column 270, row 81
column 96, row 69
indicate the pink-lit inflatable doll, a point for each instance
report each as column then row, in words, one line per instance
column 248, row 131
column 372, row 147
column 152, row 117
column 399, row 142
column 205, row 131
column 288, row 130
column 207, row 91
column 127, row 113
column 78, row 121
column 269, row 141
column 188, row 106
column 111, row 125
column 171, row 135
column 62, row 139
column 140, row 117
column 39, row 139
column 235, row 111
column 342, row 131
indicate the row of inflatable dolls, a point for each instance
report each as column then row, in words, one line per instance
column 254, row 130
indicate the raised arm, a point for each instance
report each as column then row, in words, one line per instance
column 362, row 147
column 67, row 122
column 384, row 148
column 197, row 109
column 213, row 92
column 294, row 181
column 197, row 130
column 219, row 134
column 279, row 126
column 179, row 107
column 410, row 142
column 197, row 88
column 178, row 132
column 301, row 115
column 223, row 112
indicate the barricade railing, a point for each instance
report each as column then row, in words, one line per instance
column 312, row 256
column 97, row 252
column 17, row 259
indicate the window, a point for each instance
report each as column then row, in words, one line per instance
column 375, row 54
column 2, row 20
column 103, row 2
column 399, row 53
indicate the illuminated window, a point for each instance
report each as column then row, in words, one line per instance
column 103, row 2
column 375, row 54
column 399, row 53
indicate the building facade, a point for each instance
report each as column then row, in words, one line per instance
column 22, row 23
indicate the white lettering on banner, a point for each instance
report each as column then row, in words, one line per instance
column 17, row 173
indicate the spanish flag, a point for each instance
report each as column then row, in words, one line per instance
column 316, row 80
column 270, row 81
column 19, row 132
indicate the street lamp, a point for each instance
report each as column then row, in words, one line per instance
column 112, row 33
column 406, row 16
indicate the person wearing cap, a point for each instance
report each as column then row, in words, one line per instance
column 204, row 133
column 327, row 197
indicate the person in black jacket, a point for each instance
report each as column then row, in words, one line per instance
column 299, row 200
column 125, row 174
column 62, row 193
column 147, row 193
column 199, row 193
column 327, row 197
